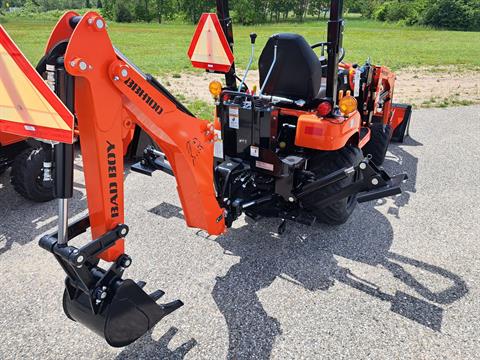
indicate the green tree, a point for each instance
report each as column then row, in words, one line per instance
column 319, row 8
column 300, row 9
column 108, row 9
column 31, row 6
column 122, row 12
column 251, row 11
column 142, row 10
column 193, row 9
column 454, row 14
column 368, row 7
column 165, row 9
column 278, row 9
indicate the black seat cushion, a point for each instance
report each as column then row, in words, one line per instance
column 298, row 70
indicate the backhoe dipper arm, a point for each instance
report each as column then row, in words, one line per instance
column 110, row 93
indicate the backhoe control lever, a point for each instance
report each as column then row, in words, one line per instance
column 253, row 39
column 116, row 309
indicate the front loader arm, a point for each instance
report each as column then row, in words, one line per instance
column 109, row 93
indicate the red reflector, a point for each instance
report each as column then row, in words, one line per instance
column 324, row 108
column 314, row 131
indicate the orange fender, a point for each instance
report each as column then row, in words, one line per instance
column 326, row 134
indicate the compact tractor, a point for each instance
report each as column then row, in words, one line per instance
column 306, row 146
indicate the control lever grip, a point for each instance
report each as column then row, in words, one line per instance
column 253, row 38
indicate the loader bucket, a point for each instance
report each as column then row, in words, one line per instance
column 124, row 315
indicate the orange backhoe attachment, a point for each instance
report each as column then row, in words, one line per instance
column 111, row 97
column 110, row 94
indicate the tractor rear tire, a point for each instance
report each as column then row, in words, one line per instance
column 27, row 176
column 377, row 147
column 324, row 164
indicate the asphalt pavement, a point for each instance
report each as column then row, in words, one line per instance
column 400, row 280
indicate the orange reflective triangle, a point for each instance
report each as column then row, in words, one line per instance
column 209, row 48
column 28, row 107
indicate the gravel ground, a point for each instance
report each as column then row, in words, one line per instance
column 399, row 280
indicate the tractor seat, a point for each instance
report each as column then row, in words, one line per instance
column 298, row 71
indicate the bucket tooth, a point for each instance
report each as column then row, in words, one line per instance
column 156, row 295
column 172, row 306
column 141, row 284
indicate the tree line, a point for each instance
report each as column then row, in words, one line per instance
column 245, row 11
column 450, row 14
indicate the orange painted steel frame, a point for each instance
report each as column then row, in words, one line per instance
column 398, row 116
column 62, row 32
column 385, row 81
column 9, row 139
column 110, row 95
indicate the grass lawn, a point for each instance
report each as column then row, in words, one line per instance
column 161, row 49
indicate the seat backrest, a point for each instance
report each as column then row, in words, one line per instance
column 298, row 71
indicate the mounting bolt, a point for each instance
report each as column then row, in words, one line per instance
column 100, row 24
column 80, row 259
column 125, row 261
column 363, row 166
column 101, row 293
column 73, row 63
column 123, row 232
column 83, row 65
column 116, row 78
column 291, row 199
column 124, row 73
column 375, row 182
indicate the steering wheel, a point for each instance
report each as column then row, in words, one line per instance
column 325, row 44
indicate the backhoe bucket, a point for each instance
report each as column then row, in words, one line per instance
column 116, row 309
column 123, row 317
